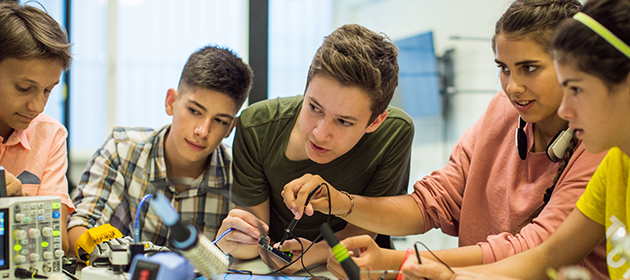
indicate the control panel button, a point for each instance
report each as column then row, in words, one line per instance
column 56, row 215
column 47, row 231
column 40, row 205
column 58, row 253
column 33, row 257
column 20, row 259
column 33, row 205
column 56, row 205
column 47, row 255
column 56, row 233
column 19, row 234
column 33, row 233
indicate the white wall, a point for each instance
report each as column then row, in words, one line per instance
column 476, row 76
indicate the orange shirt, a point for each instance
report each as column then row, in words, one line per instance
column 486, row 194
column 38, row 157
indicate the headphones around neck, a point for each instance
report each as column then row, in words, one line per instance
column 555, row 150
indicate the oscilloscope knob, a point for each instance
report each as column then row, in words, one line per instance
column 33, row 233
column 20, row 259
column 33, row 257
column 47, row 255
column 19, row 217
column 59, row 253
column 19, row 234
column 47, row 231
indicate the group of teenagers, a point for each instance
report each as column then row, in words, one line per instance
column 340, row 154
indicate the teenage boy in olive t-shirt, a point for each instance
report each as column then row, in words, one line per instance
column 341, row 131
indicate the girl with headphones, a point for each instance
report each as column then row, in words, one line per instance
column 592, row 58
column 498, row 199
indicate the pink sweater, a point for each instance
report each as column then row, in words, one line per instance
column 38, row 157
column 486, row 193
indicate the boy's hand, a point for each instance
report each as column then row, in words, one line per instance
column 297, row 191
column 315, row 255
column 370, row 257
column 429, row 269
column 14, row 186
column 246, row 230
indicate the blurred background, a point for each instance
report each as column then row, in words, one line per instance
column 128, row 53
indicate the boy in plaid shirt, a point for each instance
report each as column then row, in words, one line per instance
column 186, row 159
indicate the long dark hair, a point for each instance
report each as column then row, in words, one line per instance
column 576, row 43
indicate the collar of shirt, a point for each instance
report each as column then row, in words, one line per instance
column 213, row 179
column 17, row 137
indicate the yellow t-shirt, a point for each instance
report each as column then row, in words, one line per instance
column 606, row 201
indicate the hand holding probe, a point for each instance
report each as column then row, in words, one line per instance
column 289, row 230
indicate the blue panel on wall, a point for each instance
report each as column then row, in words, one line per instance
column 418, row 84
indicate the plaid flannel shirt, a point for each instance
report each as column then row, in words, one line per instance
column 130, row 165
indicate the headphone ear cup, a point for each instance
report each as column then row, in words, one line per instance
column 558, row 146
column 521, row 143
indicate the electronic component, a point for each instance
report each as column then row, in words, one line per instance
column 69, row 264
column 263, row 241
column 30, row 235
column 112, row 259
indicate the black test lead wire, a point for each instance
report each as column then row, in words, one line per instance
column 289, row 230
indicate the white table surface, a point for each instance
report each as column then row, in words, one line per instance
column 257, row 266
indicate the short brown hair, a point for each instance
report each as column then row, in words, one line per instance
column 356, row 56
column 217, row 69
column 28, row 33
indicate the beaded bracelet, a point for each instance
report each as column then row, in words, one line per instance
column 351, row 205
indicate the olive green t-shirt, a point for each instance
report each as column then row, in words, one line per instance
column 378, row 165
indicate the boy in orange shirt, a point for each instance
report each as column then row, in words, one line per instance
column 34, row 51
